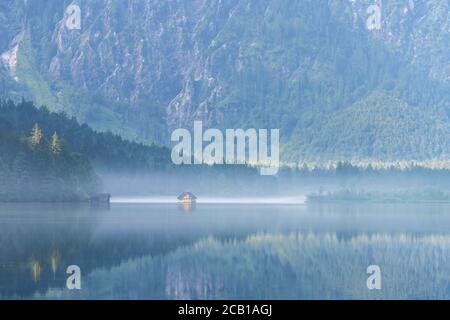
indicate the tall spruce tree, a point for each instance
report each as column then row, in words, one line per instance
column 36, row 135
column 56, row 144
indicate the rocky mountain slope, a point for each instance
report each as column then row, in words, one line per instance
column 352, row 79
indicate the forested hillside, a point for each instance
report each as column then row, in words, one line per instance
column 40, row 167
column 45, row 156
column 106, row 151
column 380, row 127
column 143, row 68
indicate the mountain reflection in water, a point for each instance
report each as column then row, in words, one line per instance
column 142, row 251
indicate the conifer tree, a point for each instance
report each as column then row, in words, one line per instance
column 36, row 135
column 56, row 144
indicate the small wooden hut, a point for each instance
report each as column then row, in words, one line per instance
column 187, row 197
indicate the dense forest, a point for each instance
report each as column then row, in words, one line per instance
column 42, row 168
column 46, row 156
column 336, row 89
column 105, row 150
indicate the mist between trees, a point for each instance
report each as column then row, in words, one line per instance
column 48, row 156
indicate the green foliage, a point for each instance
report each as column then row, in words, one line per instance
column 31, row 170
column 379, row 127
column 38, row 167
column 36, row 136
column 311, row 68
column 56, row 144
column 106, row 151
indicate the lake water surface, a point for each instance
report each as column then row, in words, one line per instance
column 232, row 250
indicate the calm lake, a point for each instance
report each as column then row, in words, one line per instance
column 149, row 250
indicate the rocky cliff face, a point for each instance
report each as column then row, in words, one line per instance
column 142, row 68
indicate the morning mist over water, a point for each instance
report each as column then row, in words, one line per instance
column 162, row 251
column 224, row 150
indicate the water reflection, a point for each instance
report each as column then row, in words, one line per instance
column 187, row 207
column 226, row 251
column 271, row 266
column 35, row 270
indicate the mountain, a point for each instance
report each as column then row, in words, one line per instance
column 338, row 84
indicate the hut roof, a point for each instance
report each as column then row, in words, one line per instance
column 187, row 194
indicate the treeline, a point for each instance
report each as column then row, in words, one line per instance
column 37, row 167
column 46, row 156
column 349, row 195
column 106, row 151
column 347, row 169
column 395, row 182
